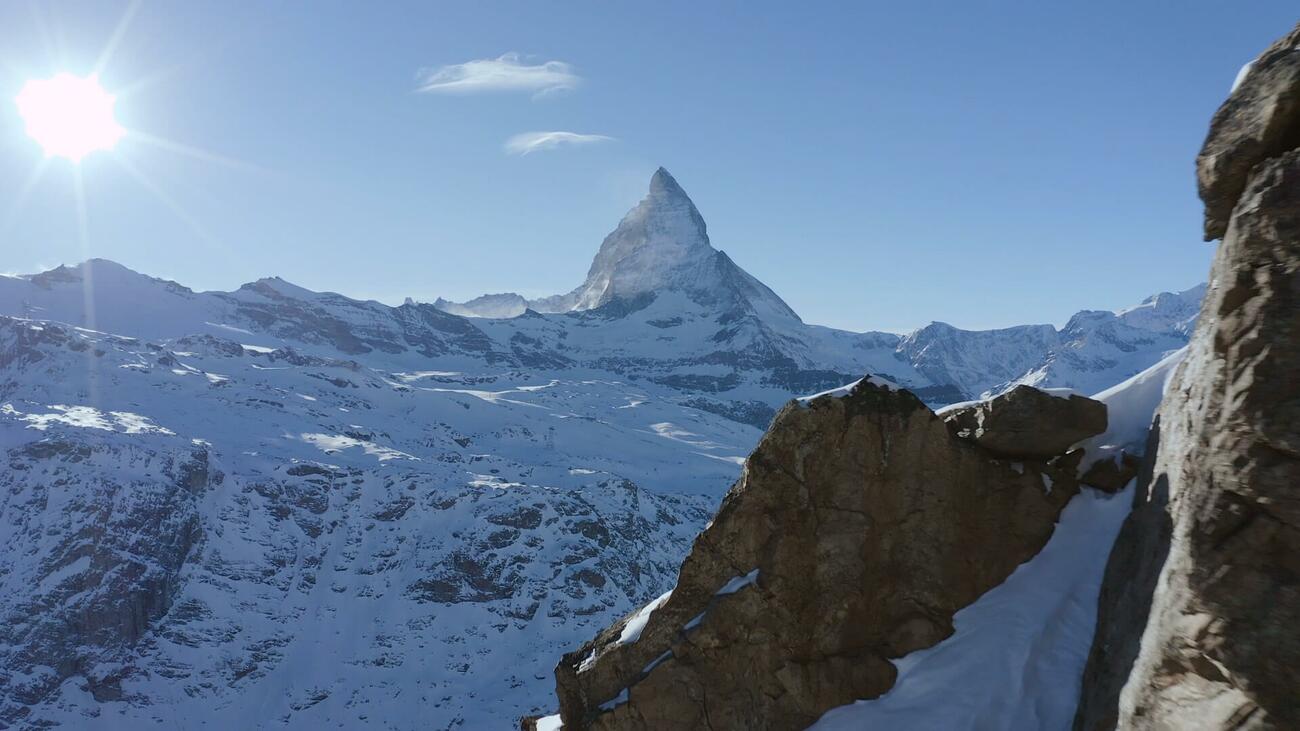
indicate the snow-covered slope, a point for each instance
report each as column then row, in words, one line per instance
column 199, row 533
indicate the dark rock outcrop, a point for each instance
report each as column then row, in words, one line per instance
column 859, row 527
column 1027, row 422
column 1112, row 474
column 1198, row 613
column 106, row 581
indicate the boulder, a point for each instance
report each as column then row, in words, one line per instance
column 1112, row 474
column 1028, row 423
column 1201, row 599
column 858, row 528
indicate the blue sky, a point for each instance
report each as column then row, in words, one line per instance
column 879, row 165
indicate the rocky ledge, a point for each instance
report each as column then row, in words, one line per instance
column 860, row 526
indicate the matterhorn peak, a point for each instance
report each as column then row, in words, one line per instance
column 661, row 245
column 663, row 184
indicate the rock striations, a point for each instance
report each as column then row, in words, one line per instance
column 1201, row 601
column 860, row 525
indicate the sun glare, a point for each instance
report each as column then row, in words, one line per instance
column 69, row 116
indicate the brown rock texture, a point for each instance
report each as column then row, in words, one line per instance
column 859, row 527
column 1112, row 474
column 1260, row 120
column 1027, row 422
column 1200, row 606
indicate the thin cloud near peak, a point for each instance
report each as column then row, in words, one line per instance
column 508, row 72
column 528, row 142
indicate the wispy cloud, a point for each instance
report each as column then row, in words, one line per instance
column 506, row 73
column 522, row 144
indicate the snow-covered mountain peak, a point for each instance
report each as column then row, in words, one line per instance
column 662, row 245
column 1166, row 310
column 664, row 185
column 658, row 243
column 277, row 288
column 98, row 272
column 504, row 305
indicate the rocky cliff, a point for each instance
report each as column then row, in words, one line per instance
column 1201, row 601
column 862, row 523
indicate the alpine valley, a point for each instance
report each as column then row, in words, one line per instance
column 274, row 507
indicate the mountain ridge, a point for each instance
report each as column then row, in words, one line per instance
column 658, row 302
column 1095, row 346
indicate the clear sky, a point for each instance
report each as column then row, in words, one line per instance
column 878, row 164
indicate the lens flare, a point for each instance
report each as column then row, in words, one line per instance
column 69, row 116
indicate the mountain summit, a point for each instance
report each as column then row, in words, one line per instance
column 661, row 245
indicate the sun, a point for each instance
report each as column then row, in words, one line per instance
column 69, row 116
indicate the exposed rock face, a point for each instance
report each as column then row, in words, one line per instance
column 1027, row 422
column 860, row 526
column 109, row 563
column 1198, row 616
column 1259, row 121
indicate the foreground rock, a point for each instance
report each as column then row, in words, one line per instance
column 1198, row 614
column 1027, row 422
column 1258, row 121
column 860, row 526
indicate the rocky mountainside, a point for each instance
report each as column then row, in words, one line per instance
column 862, row 523
column 199, row 532
column 1202, row 594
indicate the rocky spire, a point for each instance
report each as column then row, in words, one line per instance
column 662, row 244
column 664, row 185
column 653, row 246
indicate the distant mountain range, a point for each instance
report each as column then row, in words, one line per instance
column 226, row 508
column 659, row 261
